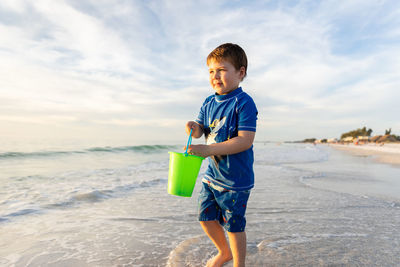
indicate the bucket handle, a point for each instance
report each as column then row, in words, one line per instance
column 188, row 142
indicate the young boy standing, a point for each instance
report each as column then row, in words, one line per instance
column 228, row 121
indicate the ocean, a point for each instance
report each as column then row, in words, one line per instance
column 76, row 205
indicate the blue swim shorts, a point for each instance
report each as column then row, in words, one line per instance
column 226, row 206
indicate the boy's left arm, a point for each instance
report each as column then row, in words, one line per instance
column 238, row 144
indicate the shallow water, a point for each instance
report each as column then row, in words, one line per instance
column 312, row 206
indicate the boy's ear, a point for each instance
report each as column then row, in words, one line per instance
column 242, row 71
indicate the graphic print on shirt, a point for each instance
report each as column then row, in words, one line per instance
column 215, row 126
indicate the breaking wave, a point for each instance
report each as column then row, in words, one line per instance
column 146, row 149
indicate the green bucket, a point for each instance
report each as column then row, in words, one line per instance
column 183, row 172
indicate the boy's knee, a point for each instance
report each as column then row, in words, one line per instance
column 235, row 224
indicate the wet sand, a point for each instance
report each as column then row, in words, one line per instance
column 387, row 153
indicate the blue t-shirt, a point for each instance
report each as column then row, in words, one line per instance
column 222, row 117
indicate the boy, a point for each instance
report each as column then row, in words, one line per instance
column 228, row 121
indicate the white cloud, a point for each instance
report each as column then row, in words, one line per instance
column 13, row 5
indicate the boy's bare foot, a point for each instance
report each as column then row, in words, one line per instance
column 219, row 260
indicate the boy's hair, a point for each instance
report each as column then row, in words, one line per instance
column 231, row 52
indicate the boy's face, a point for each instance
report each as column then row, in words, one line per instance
column 224, row 78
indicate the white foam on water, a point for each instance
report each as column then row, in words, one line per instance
column 181, row 254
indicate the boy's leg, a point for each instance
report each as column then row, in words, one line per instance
column 217, row 235
column 238, row 247
column 209, row 213
column 233, row 206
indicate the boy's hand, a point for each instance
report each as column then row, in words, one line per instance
column 237, row 144
column 197, row 129
column 199, row 150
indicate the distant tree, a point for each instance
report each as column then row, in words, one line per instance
column 309, row 140
column 388, row 132
column 359, row 132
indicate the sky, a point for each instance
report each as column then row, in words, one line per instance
column 136, row 70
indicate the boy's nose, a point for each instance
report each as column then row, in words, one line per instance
column 216, row 75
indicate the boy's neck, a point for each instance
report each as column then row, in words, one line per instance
column 228, row 95
column 229, row 91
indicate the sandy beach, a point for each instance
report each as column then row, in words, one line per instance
column 386, row 153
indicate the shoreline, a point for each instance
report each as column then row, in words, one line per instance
column 387, row 153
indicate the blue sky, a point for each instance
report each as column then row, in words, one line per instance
column 136, row 70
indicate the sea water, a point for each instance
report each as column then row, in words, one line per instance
column 76, row 205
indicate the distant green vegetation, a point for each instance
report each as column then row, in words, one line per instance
column 388, row 137
column 359, row 132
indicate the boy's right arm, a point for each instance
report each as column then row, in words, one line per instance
column 197, row 129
